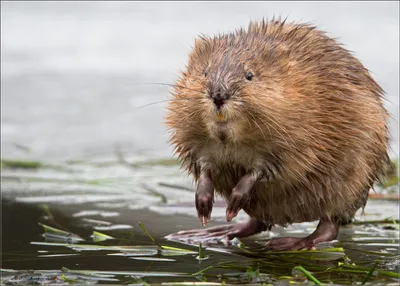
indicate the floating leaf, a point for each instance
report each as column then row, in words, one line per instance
column 87, row 273
column 113, row 227
column 91, row 247
column 68, row 280
column 174, row 251
column 98, row 236
column 129, row 250
column 127, row 273
column 153, row 259
column 137, row 253
column 361, row 269
column 57, row 234
column 58, row 255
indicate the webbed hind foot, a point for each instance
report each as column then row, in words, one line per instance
column 325, row 231
column 228, row 231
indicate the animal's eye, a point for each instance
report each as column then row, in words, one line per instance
column 249, row 76
column 206, row 73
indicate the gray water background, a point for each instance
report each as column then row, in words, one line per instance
column 73, row 74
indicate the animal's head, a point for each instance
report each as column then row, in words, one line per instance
column 234, row 82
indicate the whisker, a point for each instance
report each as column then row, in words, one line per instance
column 167, row 100
column 174, row 86
column 274, row 122
column 255, row 122
column 277, row 130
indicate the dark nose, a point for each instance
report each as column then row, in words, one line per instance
column 219, row 102
column 219, row 97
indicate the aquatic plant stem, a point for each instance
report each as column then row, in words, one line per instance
column 308, row 275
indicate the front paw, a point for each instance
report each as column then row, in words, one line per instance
column 204, row 204
column 236, row 202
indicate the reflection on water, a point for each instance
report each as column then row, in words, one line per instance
column 21, row 231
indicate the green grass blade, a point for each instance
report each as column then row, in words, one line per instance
column 174, row 251
column 61, row 234
column 201, row 272
column 308, row 275
column 201, row 251
column 19, row 164
column 369, row 274
column 98, row 236
column 149, row 235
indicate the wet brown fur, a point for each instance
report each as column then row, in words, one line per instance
column 312, row 119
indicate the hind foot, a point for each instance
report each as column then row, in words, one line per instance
column 228, row 231
column 326, row 231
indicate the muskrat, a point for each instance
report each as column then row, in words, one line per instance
column 284, row 123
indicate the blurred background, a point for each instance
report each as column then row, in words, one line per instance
column 73, row 74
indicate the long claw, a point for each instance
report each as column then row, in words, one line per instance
column 204, row 199
column 204, row 220
column 231, row 215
